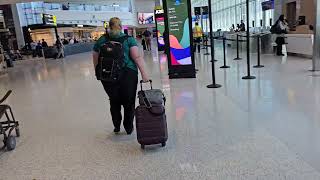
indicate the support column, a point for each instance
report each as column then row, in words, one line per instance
column 316, row 43
column 17, row 26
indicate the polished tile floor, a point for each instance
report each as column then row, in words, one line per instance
column 263, row 129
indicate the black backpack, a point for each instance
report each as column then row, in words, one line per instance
column 275, row 29
column 111, row 60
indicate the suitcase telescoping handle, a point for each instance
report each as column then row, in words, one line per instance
column 141, row 82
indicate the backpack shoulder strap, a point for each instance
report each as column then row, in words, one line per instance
column 124, row 38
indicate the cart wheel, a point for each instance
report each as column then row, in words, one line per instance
column 11, row 143
column 163, row 144
column 142, row 146
column 17, row 131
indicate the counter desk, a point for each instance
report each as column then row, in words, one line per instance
column 266, row 42
column 69, row 49
column 300, row 44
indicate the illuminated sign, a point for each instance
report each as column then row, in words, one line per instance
column 179, row 31
column 159, row 11
column 49, row 19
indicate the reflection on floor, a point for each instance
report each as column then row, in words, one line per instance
column 268, row 128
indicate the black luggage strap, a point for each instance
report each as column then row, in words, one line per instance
column 150, row 81
column 149, row 105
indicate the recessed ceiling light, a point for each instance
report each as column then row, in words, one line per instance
column 115, row 5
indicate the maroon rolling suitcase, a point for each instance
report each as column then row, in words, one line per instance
column 151, row 123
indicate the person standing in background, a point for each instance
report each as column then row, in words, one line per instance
column 60, row 47
column 197, row 35
column 147, row 37
column 39, row 49
column 33, row 48
column 71, row 41
column 44, row 44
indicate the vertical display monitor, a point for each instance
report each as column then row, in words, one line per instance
column 160, row 31
column 160, row 25
column 179, row 32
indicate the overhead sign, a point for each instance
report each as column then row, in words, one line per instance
column 159, row 11
column 106, row 24
column 267, row 5
column 49, row 19
column 178, row 26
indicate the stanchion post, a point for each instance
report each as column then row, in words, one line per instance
column 214, row 84
column 248, row 77
column 259, row 54
column 238, row 53
column 207, row 49
column 224, row 54
column 201, row 9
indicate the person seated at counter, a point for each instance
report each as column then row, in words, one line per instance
column 281, row 28
column 232, row 28
column 242, row 27
column 238, row 28
column 311, row 29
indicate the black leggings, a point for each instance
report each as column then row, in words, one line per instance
column 123, row 94
column 196, row 44
column 280, row 41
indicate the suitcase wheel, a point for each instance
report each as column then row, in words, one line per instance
column 11, row 143
column 142, row 146
column 163, row 144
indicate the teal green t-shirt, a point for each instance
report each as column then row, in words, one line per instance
column 127, row 44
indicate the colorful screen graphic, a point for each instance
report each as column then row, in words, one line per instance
column 179, row 32
column 145, row 18
column 160, row 31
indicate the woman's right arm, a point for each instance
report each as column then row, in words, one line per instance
column 138, row 59
column 95, row 58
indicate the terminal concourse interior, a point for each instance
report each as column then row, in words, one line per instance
column 262, row 129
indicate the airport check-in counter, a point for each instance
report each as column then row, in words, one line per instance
column 69, row 49
column 77, row 48
column 300, row 44
column 266, row 41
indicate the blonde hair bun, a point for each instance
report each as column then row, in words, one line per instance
column 115, row 24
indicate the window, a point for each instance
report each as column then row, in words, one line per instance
column 228, row 12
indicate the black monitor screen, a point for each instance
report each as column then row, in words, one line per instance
column 267, row 5
column 197, row 11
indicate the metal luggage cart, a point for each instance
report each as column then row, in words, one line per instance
column 6, row 127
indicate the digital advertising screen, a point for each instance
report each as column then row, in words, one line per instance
column 179, row 32
column 145, row 18
column 160, row 31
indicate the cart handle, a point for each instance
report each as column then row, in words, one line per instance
column 5, row 96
